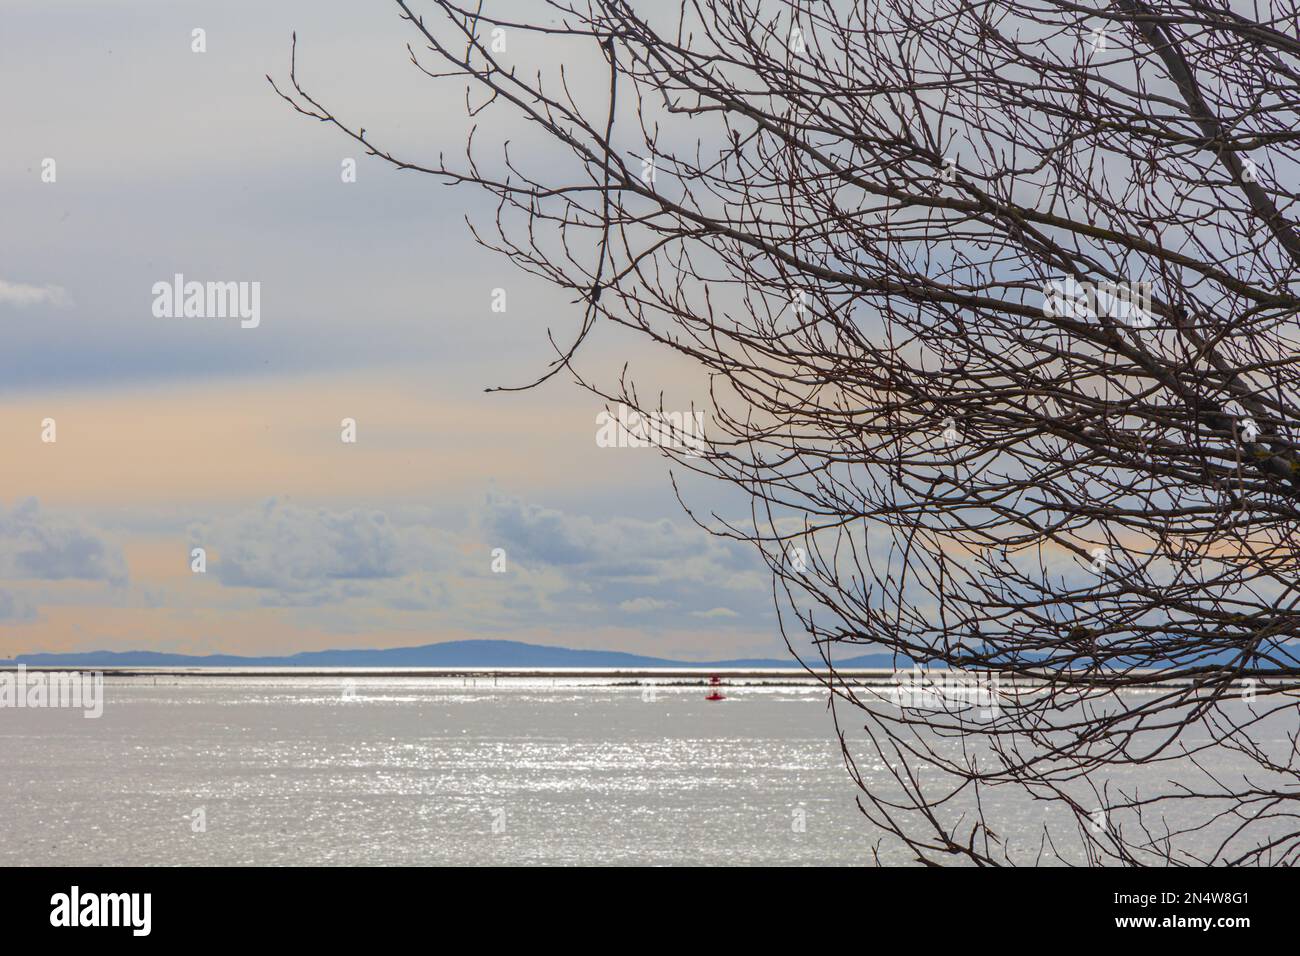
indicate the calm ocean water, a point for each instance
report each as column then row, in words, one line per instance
column 394, row 771
column 289, row 771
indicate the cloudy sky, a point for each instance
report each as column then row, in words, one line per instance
column 177, row 433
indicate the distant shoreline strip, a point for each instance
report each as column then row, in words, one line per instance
column 793, row 676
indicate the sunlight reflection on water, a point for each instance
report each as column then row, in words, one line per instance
column 393, row 771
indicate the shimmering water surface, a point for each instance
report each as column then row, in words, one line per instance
column 418, row 770
column 414, row 771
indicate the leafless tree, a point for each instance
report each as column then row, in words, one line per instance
column 999, row 304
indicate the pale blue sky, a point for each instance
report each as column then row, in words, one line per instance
column 174, row 433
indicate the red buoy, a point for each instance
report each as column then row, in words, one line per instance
column 715, row 682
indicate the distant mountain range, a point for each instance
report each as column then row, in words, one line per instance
column 450, row 654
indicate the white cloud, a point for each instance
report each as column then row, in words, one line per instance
column 643, row 605
column 21, row 295
column 716, row 612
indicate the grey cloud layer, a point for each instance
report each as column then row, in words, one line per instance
column 656, row 570
column 313, row 556
column 15, row 609
column 562, row 569
column 35, row 545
